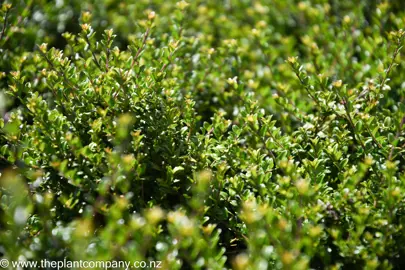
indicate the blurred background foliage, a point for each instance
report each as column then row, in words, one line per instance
column 206, row 134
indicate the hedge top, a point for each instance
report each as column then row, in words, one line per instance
column 205, row 135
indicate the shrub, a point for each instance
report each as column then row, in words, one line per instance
column 264, row 135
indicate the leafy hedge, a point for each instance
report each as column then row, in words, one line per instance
column 207, row 135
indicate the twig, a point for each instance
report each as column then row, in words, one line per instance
column 107, row 54
column 353, row 128
column 397, row 136
column 172, row 53
column 373, row 137
column 388, row 70
column 92, row 52
column 307, row 89
column 106, row 59
column 138, row 52
column 4, row 25
column 349, row 118
column 61, row 74
column 170, row 60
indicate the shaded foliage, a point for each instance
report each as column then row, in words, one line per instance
column 247, row 134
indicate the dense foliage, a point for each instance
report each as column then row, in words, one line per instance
column 205, row 134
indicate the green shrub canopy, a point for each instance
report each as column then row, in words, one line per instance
column 204, row 134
